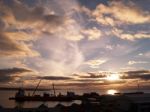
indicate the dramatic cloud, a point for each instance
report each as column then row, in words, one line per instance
column 22, row 13
column 7, row 75
column 65, row 37
column 140, row 74
column 23, row 26
column 10, row 47
column 21, row 22
column 55, row 78
column 137, row 72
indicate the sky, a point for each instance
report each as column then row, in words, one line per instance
column 75, row 43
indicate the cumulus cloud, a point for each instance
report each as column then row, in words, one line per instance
column 92, row 33
column 71, row 30
column 117, row 14
column 127, row 35
column 120, row 12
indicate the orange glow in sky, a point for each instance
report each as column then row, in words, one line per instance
column 113, row 77
column 111, row 92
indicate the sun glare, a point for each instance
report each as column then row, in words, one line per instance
column 113, row 77
column 111, row 92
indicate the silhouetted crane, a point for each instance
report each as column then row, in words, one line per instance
column 36, row 87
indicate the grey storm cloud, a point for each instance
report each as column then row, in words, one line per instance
column 6, row 75
column 91, row 75
column 55, row 78
column 139, row 74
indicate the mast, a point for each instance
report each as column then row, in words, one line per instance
column 36, row 87
column 138, row 86
column 54, row 89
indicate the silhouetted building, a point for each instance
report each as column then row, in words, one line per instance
column 140, row 102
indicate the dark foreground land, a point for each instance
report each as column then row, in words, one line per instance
column 93, row 102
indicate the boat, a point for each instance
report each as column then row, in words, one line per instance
column 21, row 96
column 45, row 97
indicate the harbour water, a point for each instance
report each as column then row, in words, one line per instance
column 5, row 94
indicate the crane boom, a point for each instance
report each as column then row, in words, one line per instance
column 36, row 87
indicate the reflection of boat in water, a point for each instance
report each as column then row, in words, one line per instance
column 21, row 97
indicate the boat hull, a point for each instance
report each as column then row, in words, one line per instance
column 30, row 98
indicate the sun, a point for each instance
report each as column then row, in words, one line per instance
column 113, row 77
column 112, row 92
